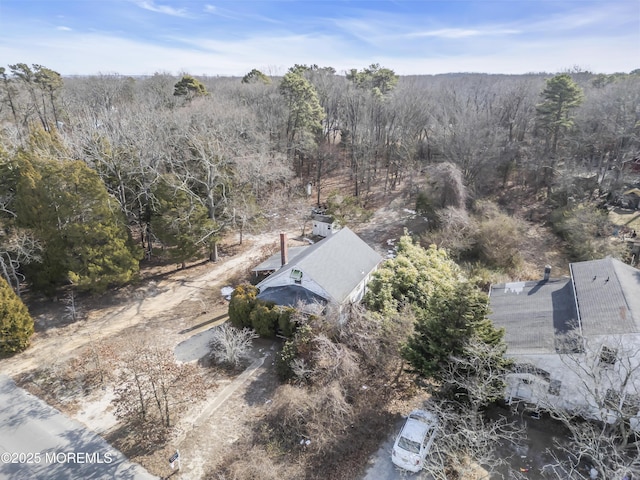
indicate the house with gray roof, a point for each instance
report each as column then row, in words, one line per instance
column 334, row 270
column 575, row 341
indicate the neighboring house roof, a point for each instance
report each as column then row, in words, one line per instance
column 323, row 218
column 337, row 264
column 608, row 294
column 602, row 297
column 274, row 262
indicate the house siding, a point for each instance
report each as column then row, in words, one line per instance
column 583, row 377
column 323, row 229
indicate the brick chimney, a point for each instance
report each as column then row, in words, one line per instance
column 284, row 258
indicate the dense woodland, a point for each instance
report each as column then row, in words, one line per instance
column 100, row 174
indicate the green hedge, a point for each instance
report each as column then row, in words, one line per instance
column 266, row 318
column 243, row 301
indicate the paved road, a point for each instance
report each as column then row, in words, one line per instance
column 37, row 442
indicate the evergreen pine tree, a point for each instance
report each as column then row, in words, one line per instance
column 443, row 327
column 561, row 95
column 83, row 232
column 16, row 324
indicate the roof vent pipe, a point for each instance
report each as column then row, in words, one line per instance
column 547, row 272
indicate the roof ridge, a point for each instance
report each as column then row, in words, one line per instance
column 314, row 248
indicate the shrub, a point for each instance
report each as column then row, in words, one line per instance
column 425, row 208
column 298, row 347
column 317, row 415
column 231, row 345
column 264, row 320
column 497, row 238
column 16, row 325
column 455, row 231
column 587, row 230
column 243, row 301
column 286, row 323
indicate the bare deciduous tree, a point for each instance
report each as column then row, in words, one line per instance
column 72, row 310
column 600, row 406
column 153, row 388
column 466, row 443
column 95, row 364
column 231, row 345
column 17, row 248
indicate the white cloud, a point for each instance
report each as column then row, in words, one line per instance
column 63, row 28
column 594, row 19
column 165, row 9
column 210, row 8
column 463, row 33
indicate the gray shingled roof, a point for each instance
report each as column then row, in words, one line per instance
column 274, row 262
column 532, row 313
column 337, row 263
column 608, row 293
column 293, row 296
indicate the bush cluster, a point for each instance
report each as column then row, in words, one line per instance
column 266, row 318
column 587, row 231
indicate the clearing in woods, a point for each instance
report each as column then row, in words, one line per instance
column 179, row 307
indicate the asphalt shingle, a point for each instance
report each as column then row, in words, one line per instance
column 605, row 292
column 608, row 293
column 338, row 264
column 532, row 313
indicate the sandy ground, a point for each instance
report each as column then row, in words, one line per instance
column 181, row 307
column 140, row 306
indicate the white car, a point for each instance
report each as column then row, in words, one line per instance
column 413, row 443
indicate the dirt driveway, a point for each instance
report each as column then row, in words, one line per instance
column 145, row 304
column 182, row 304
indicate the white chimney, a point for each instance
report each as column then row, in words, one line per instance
column 547, row 272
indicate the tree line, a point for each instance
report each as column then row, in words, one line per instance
column 99, row 172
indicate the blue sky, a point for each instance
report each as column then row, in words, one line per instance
column 230, row 37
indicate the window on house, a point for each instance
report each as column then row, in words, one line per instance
column 608, row 355
column 532, row 369
column 612, row 399
column 631, row 404
column 554, row 387
column 628, row 405
column 296, row 275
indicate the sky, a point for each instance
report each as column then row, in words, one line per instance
column 232, row 37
